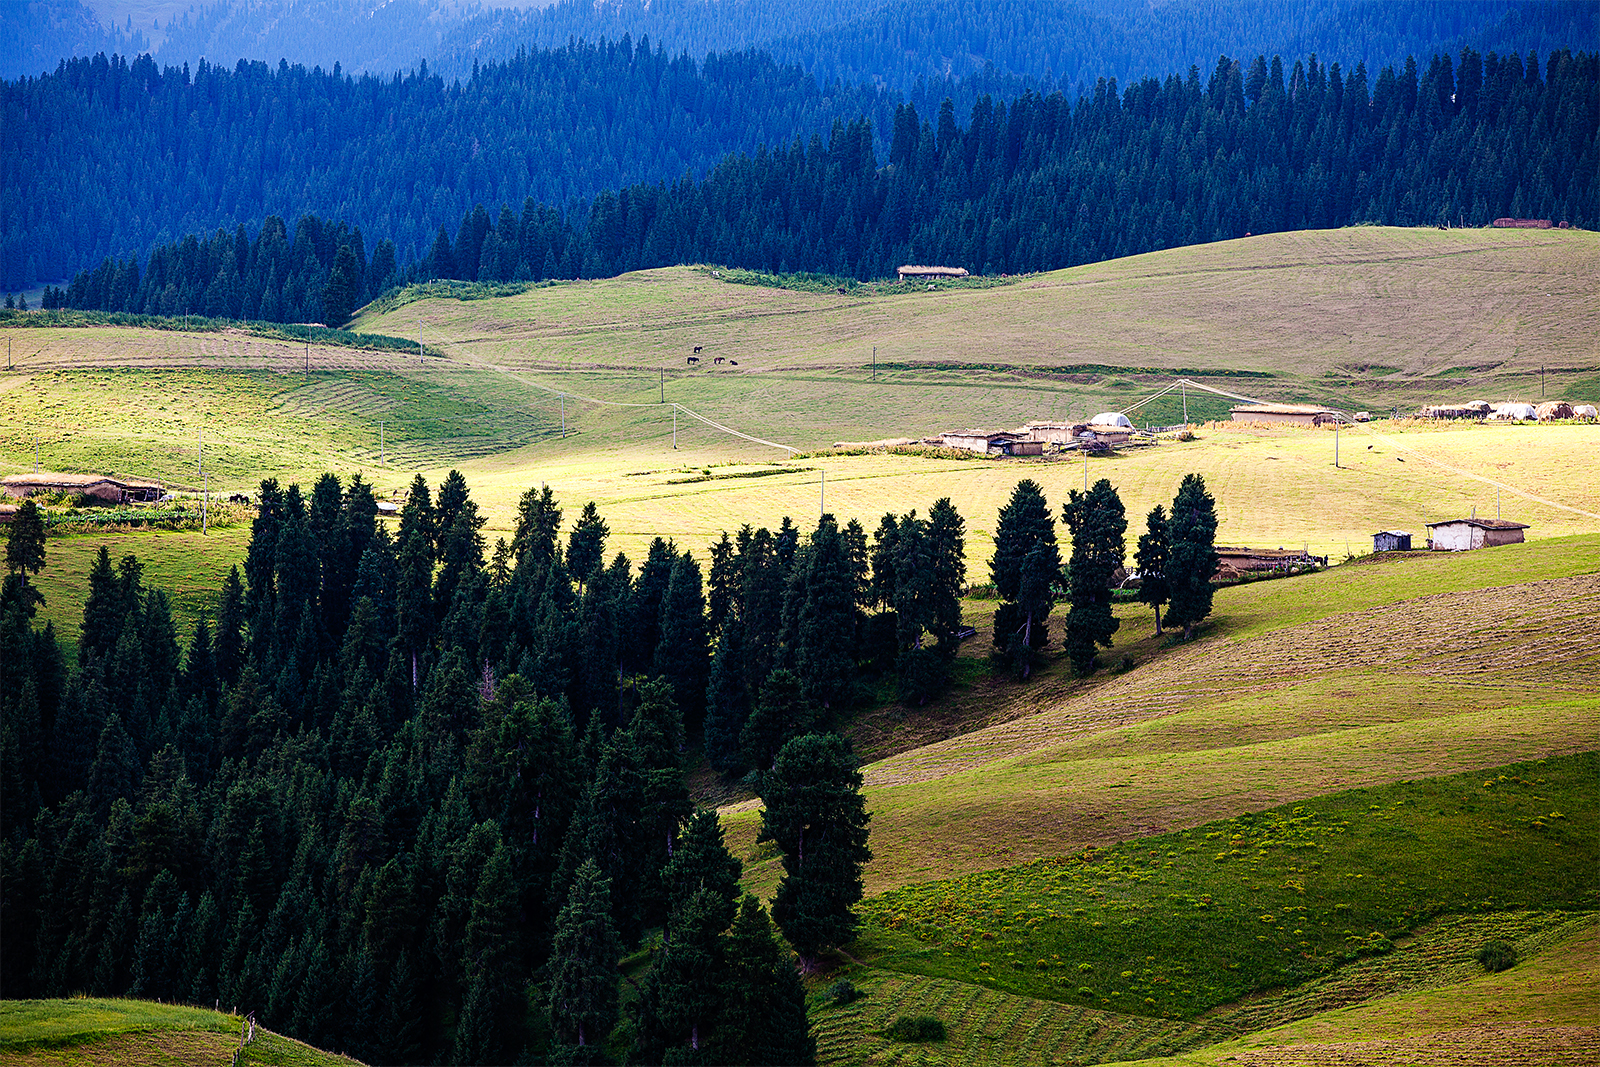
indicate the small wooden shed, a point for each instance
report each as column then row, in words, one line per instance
column 99, row 488
column 1460, row 535
column 1293, row 414
column 1391, row 541
column 912, row 271
column 988, row 442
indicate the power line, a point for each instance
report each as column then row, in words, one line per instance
column 1386, row 439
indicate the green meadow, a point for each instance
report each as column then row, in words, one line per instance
column 84, row 1030
column 1274, row 843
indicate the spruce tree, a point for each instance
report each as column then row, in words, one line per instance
column 727, row 699
column 947, row 536
column 1152, row 560
column 25, row 547
column 642, row 632
column 782, row 712
column 583, row 962
column 1098, row 522
column 682, row 656
column 1025, row 569
column 764, row 1007
column 722, row 585
column 813, row 810
column 825, row 616
column 490, row 963
column 586, row 545
column 701, row 862
column 343, row 291
column 1192, row 562
column 538, row 524
column 102, row 614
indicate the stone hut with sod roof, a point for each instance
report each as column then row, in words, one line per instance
column 1459, row 535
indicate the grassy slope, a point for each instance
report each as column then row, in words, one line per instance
column 1350, row 303
column 102, row 1031
column 1547, row 1008
column 1352, row 677
column 1429, row 983
column 1419, row 301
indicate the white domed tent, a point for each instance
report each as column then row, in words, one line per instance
column 1514, row 411
column 1583, row 411
column 1111, row 418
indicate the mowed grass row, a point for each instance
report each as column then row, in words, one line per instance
column 1430, row 982
column 1544, row 1010
column 1178, row 924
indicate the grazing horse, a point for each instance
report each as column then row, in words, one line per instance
column 718, row 360
column 733, row 363
column 698, row 349
column 693, row 359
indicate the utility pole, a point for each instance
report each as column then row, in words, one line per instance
column 663, row 386
column 674, row 426
column 1184, row 388
column 1336, row 444
column 380, row 443
column 205, row 506
column 199, row 451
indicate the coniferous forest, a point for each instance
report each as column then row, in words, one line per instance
column 1036, row 184
column 414, row 799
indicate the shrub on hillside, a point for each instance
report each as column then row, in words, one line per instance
column 1497, row 956
column 843, row 992
column 915, row 1028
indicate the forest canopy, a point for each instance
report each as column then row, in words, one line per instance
column 1036, row 184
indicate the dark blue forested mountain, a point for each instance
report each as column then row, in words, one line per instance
column 106, row 157
column 889, row 42
column 1035, row 184
column 111, row 157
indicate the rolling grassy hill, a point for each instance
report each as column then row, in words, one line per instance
column 1242, row 815
column 34, row 1033
column 1352, row 677
column 1362, row 677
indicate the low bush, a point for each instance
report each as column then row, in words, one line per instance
column 1497, row 956
column 843, row 992
column 915, row 1028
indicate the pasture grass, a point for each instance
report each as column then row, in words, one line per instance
column 1542, row 1010
column 30, row 1023
column 1177, row 924
column 1292, row 691
column 1351, row 301
column 189, row 565
column 991, row 1026
column 85, row 1030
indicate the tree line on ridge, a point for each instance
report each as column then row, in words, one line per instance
column 1038, row 184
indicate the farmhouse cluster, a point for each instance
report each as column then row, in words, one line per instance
column 1109, row 429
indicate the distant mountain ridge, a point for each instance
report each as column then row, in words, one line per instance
column 890, row 43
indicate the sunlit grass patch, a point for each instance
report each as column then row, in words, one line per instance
column 1174, row 925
